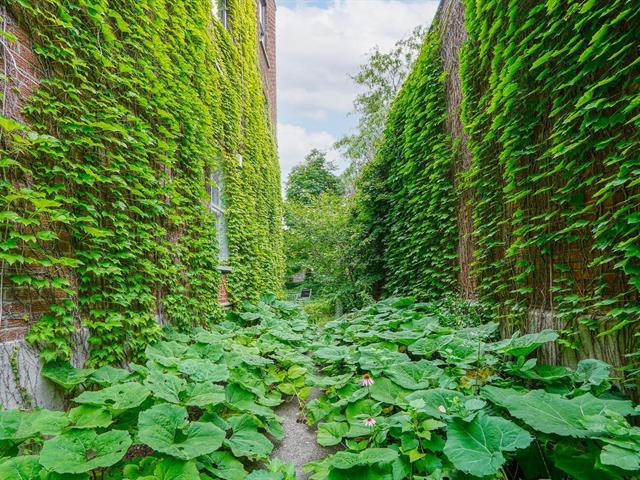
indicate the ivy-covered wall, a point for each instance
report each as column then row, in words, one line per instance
column 405, row 203
column 550, row 105
column 106, row 172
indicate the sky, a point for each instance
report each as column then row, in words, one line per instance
column 319, row 44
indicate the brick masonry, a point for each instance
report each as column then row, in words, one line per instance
column 20, row 382
column 267, row 55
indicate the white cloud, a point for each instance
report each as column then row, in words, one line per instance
column 295, row 142
column 319, row 47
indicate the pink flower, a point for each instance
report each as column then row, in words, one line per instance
column 369, row 422
column 367, row 380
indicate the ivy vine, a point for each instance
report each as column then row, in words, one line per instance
column 105, row 186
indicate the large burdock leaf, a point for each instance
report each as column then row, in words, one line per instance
column 117, row 398
column 203, row 394
column 64, row 374
column 108, row 375
column 415, row 375
column 21, row 468
column 165, row 386
column 89, row 416
column 246, row 440
column 436, row 402
column 225, row 466
column 477, row 447
column 80, row 451
column 165, row 428
column 167, row 354
column 21, row 425
column 331, row 433
column 173, row 469
column 520, row 346
column 552, row 413
column 200, row 370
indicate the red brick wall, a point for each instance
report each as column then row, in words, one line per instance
column 22, row 71
column 267, row 55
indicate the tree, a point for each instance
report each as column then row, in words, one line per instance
column 380, row 78
column 313, row 178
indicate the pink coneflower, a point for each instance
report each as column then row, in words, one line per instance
column 369, row 421
column 367, row 380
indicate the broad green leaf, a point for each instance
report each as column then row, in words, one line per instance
column 552, row 413
column 64, row 374
column 621, row 457
column 165, row 386
column 592, row 372
column 165, row 428
column 224, row 465
column 246, row 440
column 174, row 469
column 21, row 468
column 415, row 375
column 167, row 354
column 117, row 398
column 384, row 390
column 89, row 416
column 331, row 433
column 477, row 447
column 108, row 375
column 200, row 370
column 20, row 425
column 332, row 353
column 520, row 346
column 80, row 451
column 436, row 402
column 203, row 394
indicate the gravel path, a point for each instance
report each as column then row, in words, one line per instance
column 299, row 443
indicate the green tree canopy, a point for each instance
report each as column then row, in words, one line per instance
column 313, row 178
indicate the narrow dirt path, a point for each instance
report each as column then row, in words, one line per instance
column 299, row 443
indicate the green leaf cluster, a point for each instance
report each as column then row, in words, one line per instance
column 164, row 421
column 450, row 401
column 106, row 178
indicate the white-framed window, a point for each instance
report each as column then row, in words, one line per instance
column 262, row 17
column 216, row 206
column 220, row 10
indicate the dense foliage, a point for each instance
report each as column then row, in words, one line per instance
column 105, row 186
column 312, row 178
column 405, row 204
column 317, row 238
column 552, row 109
column 424, row 391
column 200, row 408
column 410, row 391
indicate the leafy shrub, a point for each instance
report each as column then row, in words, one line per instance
column 411, row 392
column 200, row 408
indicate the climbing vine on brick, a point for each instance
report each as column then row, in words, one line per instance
column 406, row 204
column 105, row 184
column 552, row 109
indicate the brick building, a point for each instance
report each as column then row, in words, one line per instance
column 19, row 361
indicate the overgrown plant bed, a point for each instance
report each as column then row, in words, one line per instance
column 412, row 393
column 200, row 408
